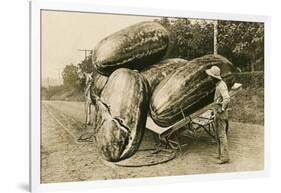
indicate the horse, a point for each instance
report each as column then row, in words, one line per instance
column 88, row 100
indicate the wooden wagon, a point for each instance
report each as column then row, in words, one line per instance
column 189, row 125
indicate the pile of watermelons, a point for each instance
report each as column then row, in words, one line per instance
column 132, row 82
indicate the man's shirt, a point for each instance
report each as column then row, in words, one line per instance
column 221, row 95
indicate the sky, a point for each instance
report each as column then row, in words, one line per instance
column 62, row 33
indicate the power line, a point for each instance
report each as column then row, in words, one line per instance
column 86, row 52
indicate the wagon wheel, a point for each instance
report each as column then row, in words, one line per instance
column 210, row 130
column 167, row 142
column 173, row 142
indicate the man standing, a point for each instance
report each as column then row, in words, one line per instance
column 221, row 100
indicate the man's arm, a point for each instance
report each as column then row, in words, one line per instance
column 225, row 96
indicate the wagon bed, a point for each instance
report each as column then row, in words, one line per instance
column 188, row 125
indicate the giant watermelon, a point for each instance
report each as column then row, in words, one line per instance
column 188, row 88
column 121, row 114
column 133, row 47
column 160, row 70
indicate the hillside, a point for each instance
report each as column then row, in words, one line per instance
column 248, row 104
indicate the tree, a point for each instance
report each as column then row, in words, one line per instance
column 188, row 38
column 86, row 65
column 70, row 77
column 242, row 43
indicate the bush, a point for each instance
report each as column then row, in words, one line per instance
column 248, row 104
column 251, row 79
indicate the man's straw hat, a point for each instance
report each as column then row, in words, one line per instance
column 214, row 72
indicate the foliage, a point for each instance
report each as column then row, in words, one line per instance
column 248, row 104
column 48, row 93
column 188, row 38
column 251, row 79
column 241, row 42
column 86, row 65
column 70, row 76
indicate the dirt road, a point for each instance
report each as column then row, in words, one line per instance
column 63, row 159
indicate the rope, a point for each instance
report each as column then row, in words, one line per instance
column 172, row 155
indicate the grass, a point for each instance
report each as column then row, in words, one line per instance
column 61, row 93
column 248, row 104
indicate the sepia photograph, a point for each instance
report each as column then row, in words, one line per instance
column 135, row 96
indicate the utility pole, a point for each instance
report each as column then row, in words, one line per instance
column 48, row 82
column 215, row 22
column 86, row 52
column 59, row 76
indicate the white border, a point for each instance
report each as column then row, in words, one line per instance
column 35, row 8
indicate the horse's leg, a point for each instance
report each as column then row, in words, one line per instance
column 88, row 108
column 87, row 113
column 94, row 115
column 90, row 114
